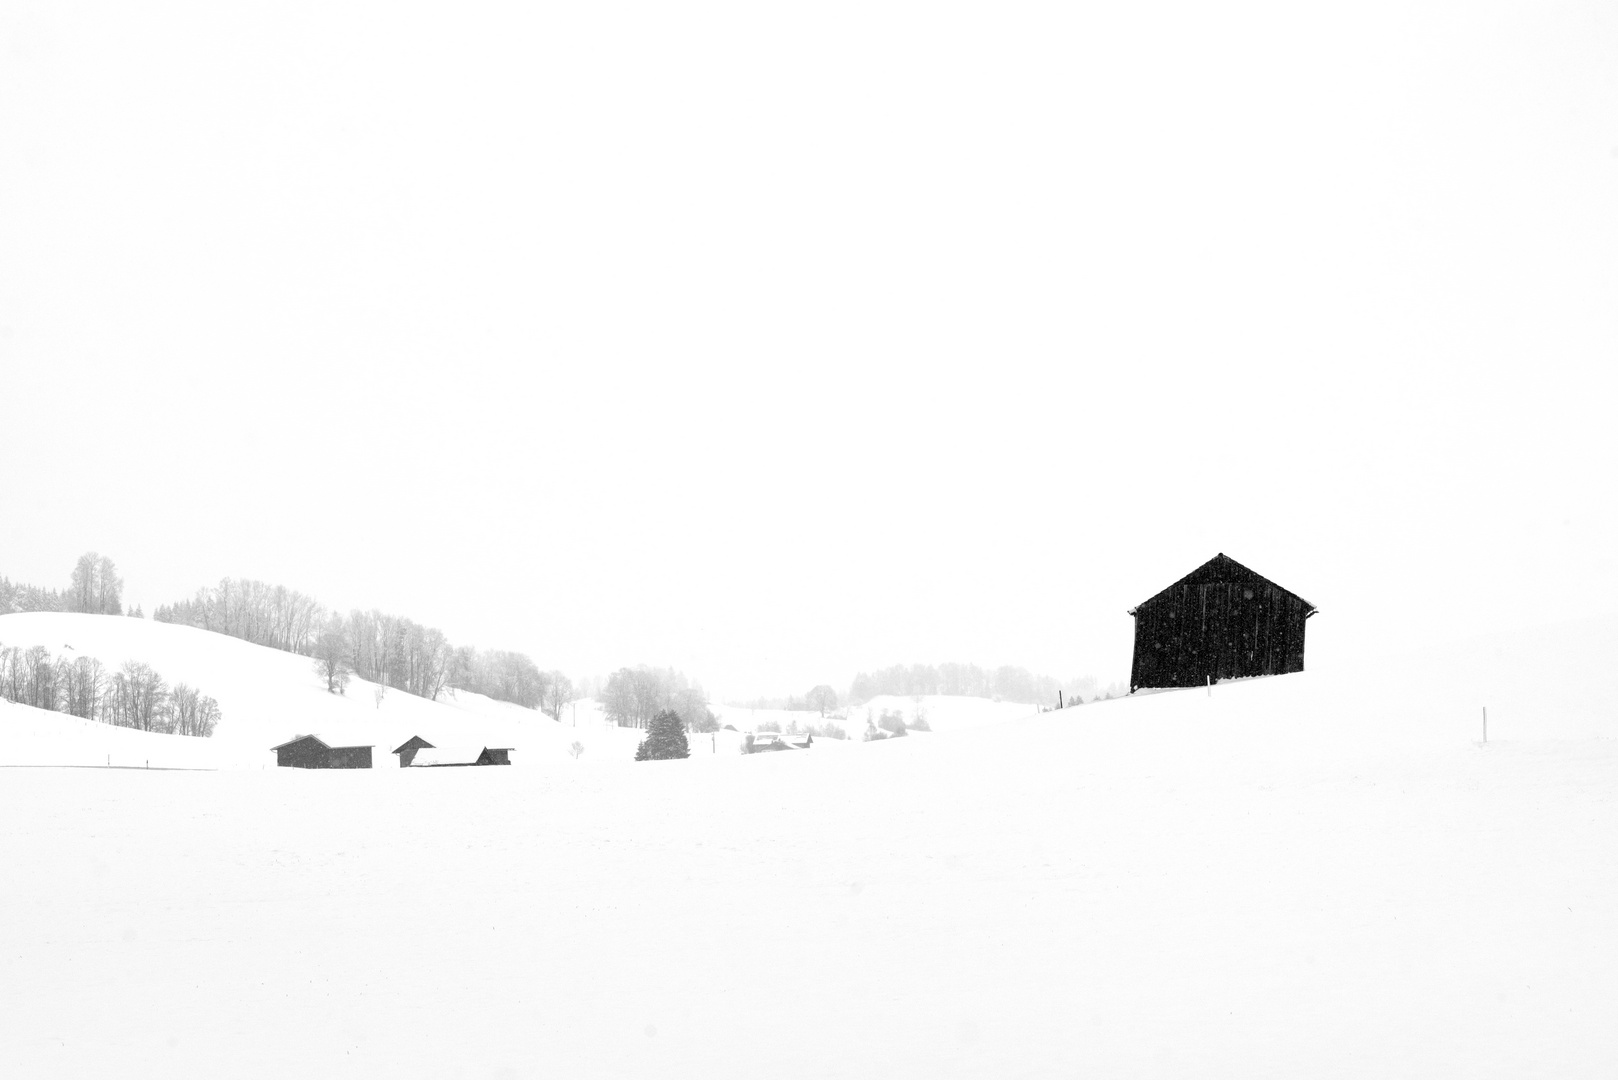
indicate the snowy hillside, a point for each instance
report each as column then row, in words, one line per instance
column 267, row 697
column 1322, row 875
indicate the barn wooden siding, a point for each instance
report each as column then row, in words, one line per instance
column 302, row 754
column 311, row 752
column 1221, row 621
column 348, row 757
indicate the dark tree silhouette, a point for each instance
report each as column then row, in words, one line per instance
column 665, row 739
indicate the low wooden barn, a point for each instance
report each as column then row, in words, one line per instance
column 312, row 752
column 407, row 752
column 418, row 753
column 1220, row 621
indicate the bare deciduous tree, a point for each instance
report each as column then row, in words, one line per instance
column 331, row 656
column 557, row 695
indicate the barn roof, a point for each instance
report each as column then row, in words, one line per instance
column 414, row 741
column 323, row 743
column 1219, row 569
column 300, row 738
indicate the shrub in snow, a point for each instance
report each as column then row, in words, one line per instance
column 665, row 739
column 704, row 721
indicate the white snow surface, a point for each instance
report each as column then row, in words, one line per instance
column 1320, row 875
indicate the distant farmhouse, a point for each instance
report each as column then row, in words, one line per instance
column 418, row 753
column 311, row 752
column 765, row 742
column 1220, row 621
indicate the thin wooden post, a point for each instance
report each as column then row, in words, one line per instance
column 1210, row 684
column 1485, row 725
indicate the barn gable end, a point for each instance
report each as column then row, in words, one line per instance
column 1221, row 621
column 302, row 752
column 407, row 750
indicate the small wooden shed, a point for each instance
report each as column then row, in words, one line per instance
column 418, row 753
column 312, row 752
column 1221, row 621
column 407, row 752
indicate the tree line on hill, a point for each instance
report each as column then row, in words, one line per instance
column 94, row 587
column 1004, row 683
column 390, row 650
column 133, row 696
column 634, row 697
column 826, row 730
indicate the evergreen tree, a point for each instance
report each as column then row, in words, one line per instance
column 665, row 739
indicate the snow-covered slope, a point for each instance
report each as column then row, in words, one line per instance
column 267, row 697
column 1321, row 876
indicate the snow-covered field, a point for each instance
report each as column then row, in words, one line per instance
column 1322, row 875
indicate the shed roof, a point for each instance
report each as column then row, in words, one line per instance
column 1222, row 568
column 323, row 743
column 415, row 741
column 300, row 738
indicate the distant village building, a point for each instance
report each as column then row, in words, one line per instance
column 418, row 753
column 312, row 752
column 767, row 741
column 1221, row 621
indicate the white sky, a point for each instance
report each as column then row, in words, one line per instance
column 774, row 342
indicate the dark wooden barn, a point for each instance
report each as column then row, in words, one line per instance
column 1220, row 621
column 311, row 752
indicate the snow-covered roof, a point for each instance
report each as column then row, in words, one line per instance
column 323, row 743
column 447, row 755
column 299, row 739
column 414, row 741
